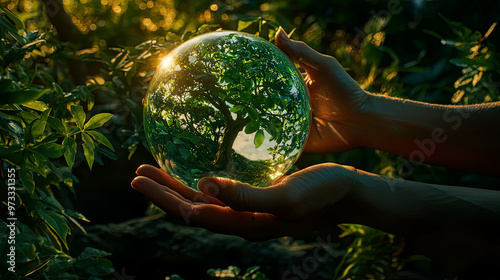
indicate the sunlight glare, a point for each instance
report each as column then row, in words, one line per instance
column 166, row 61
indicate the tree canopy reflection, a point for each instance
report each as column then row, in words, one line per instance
column 216, row 88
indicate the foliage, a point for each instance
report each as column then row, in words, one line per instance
column 370, row 255
column 212, row 89
column 120, row 44
column 477, row 59
column 44, row 132
column 232, row 272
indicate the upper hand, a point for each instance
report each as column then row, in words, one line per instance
column 336, row 98
column 303, row 201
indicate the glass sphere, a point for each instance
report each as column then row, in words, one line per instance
column 226, row 104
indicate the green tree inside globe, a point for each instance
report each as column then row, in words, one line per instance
column 226, row 104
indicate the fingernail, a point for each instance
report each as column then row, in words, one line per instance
column 208, row 187
column 283, row 34
column 137, row 170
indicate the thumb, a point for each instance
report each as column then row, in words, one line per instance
column 300, row 52
column 239, row 196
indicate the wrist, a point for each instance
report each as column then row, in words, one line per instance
column 345, row 208
column 365, row 120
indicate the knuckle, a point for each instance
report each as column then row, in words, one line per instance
column 240, row 201
column 328, row 61
column 234, row 194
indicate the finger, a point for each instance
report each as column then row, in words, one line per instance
column 161, row 196
column 249, row 225
column 312, row 61
column 164, row 179
column 300, row 52
column 243, row 197
column 217, row 218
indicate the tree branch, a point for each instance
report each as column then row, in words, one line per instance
column 66, row 30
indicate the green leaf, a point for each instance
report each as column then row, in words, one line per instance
column 252, row 269
column 79, row 115
column 76, row 215
column 95, row 266
column 171, row 36
column 251, row 127
column 19, row 24
column 131, row 73
column 74, row 221
column 131, row 151
column 92, row 261
column 69, row 151
column 11, row 127
column 97, row 121
column 57, row 171
column 468, row 62
column 276, row 122
column 88, row 149
column 170, row 121
column 259, row 138
column 100, row 138
column 174, row 277
column 37, row 127
column 14, row 33
column 21, row 96
column 90, row 252
column 237, row 108
column 253, row 114
column 28, row 116
column 33, row 266
column 7, row 85
column 56, row 222
column 58, row 89
column 245, row 23
column 119, row 60
column 184, row 153
column 66, row 275
column 9, row 150
column 170, row 147
column 86, row 96
column 36, row 105
column 25, row 252
column 50, row 201
column 189, row 136
column 433, row 33
column 56, row 124
column 50, row 150
column 27, row 180
column 59, row 264
column 202, row 29
column 39, row 164
column 178, row 142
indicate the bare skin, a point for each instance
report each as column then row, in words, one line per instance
column 344, row 117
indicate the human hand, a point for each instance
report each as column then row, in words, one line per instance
column 303, row 201
column 336, row 98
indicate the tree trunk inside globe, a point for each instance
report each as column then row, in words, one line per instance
column 224, row 157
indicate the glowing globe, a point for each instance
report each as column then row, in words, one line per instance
column 226, row 104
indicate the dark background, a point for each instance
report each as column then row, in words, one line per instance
column 150, row 245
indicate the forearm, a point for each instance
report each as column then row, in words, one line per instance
column 464, row 137
column 411, row 208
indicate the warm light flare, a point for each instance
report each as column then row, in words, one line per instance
column 165, row 61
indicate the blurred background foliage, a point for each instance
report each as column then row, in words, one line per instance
column 104, row 52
